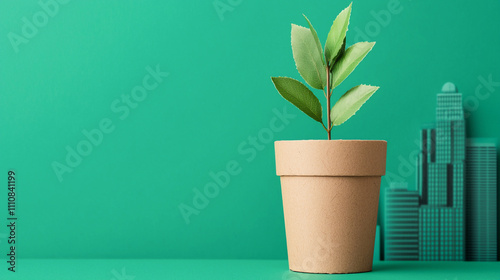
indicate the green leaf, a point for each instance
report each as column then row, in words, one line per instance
column 316, row 39
column 339, row 54
column 350, row 103
column 349, row 60
column 299, row 95
column 307, row 57
column 336, row 35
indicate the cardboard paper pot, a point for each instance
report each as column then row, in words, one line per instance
column 330, row 194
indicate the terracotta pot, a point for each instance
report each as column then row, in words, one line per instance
column 330, row 194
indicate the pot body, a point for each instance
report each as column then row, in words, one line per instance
column 330, row 194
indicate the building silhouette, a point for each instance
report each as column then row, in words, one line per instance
column 401, row 218
column 452, row 216
column 376, row 250
column 481, row 200
column 441, row 179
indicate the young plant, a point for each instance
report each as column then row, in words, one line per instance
column 325, row 71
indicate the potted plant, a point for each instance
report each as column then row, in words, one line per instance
column 330, row 187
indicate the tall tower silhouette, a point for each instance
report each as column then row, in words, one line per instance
column 481, row 200
column 441, row 181
column 401, row 223
column 452, row 216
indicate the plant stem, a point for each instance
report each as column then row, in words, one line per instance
column 326, row 129
column 329, row 130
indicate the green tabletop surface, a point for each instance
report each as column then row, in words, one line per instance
column 142, row 269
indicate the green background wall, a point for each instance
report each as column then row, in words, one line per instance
column 122, row 200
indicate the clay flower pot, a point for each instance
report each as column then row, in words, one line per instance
column 330, row 194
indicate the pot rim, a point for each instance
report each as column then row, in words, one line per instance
column 333, row 140
column 331, row 157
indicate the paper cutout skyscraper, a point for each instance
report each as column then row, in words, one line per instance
column 481, row 200
column 439, row 231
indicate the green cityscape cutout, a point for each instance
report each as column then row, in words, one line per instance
column 452, row 214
